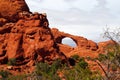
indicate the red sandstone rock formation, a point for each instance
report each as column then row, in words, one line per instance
column 24, row 35
column 9, row 9
column 84, row 47
column 27, row 37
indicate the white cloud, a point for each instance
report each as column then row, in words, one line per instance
column 80, row 17
column 114, row 5
column 62, row 5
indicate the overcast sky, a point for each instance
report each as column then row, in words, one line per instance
column 85, row 18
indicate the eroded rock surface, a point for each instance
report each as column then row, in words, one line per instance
column 84, row 46
column 28, row 39
column 9, row 9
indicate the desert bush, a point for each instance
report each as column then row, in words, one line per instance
column 112, row 64
column 102, row 57
column 4, row 74
column 80, row 73
column 114, row 35
column 55, row 66
column 112, row 58
column 82, row 63
column 75, row 57
column 46, row 71
column 12, row 61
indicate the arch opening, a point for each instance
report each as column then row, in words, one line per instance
column 68, row 41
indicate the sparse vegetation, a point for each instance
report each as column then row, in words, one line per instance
column 48, row 72
column 4, row 74
column 12, row 61
column 111, row 64
column 75, row 57
column 80, row 71
column 111, row 59
column 58, row 71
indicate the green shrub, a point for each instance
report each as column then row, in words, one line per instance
column 78, row 73
column 42, row 68
column 75, row 57
column 4, row 74
column 82, row 63
column 12, row 61
column 46, row 71
column 55, row 66
column 113, row 54
column 102, row 57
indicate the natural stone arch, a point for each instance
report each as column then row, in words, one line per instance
column 81, row 42
column 60, row 38
column 69, row 41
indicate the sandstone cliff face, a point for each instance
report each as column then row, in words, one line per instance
column 25, row 36
column 28, row 39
